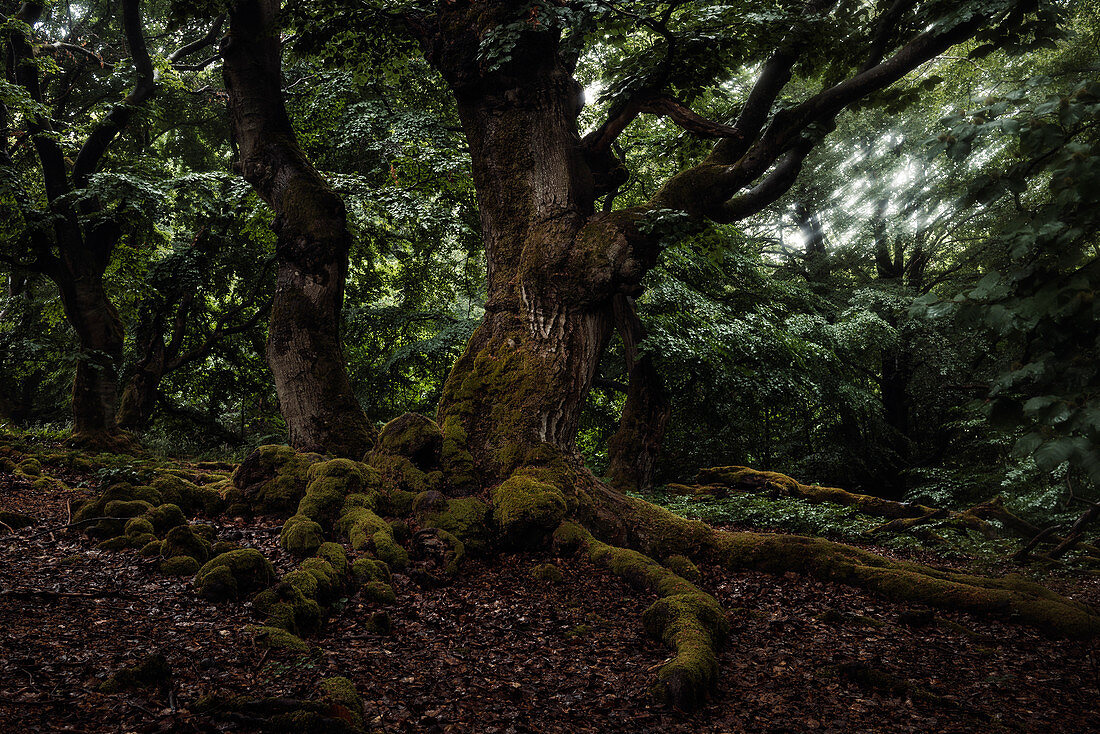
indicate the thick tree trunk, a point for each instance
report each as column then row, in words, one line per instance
column 304, row 348
column 634, row 448
column 523, row 379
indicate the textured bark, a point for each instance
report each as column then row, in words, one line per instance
column 99, row 329
column 524, row 376
column 303, row 348
column 633, row 450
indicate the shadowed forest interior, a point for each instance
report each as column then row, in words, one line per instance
column 563, row 365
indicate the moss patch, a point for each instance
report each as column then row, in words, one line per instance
column 233, row 574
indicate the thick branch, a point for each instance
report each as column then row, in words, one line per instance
column 104, row 134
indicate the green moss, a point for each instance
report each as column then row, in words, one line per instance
column 414, row 437
column 152, row 548
column 223, row 546
column 126, row 508
column 179, row 566
column 379, row 592
column 30, row 467
column 138, row 526
column 166, row 517
column 547, row 572
column 272, row 480
column 686, row 619
column 389, row 551
column 527, row 510
column 581, row 630
column 118, row 543
column 359, row 525
column 152, row 671
column 335, row 555
column 328, row 580
column 456, row 460
column 329, row 483
column 287, row 607
column 365, row 570
column 234, row 574
column 304, row 582
column 466, row 518
column 181, row 541
column 277, row 638
column 344, row 701
column 394, row 502
column 190, row 497
column 682, row 566
column 140, row 540
column 301, row 536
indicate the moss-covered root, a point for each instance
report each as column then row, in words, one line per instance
column 688, row 620
column 1012, row 596
column 904, row 515
column 337, row 709
column 661, row 533
column 151, row 671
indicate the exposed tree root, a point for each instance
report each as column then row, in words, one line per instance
column 903, row 516
column 688, row 620
column 661, row 533
column 394, row 513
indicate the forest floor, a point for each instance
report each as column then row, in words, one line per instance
column 499, row 651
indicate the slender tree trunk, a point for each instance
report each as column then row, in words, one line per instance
column 634, row 448
column 303, row 348
column 139, row 397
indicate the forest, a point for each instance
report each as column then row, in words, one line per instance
column 550, row 366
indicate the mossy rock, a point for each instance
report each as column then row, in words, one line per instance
column 344, row 702
column 152, row 548
column 285, row 606
column 138, row 526
column 329, row 483
column 234, row 574
column 415, row 437
column 336, row 556
column 165, row 517
column 359, row 524
column 151, row 672
column 467, row 518
column 527, row 510
column 365, row 570
column 223, row 546
column 378, row 592
column 272, row 480
column 181, row 541
column 547, row 572
column 117, row 543
column 388, row 550
column 328, row 579
column 277, row 638
column 126, row 508
column 301, row 536
column 179, row 566
column 140, row 540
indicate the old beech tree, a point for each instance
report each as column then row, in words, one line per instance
column 563, row 270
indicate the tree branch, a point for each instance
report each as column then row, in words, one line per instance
column 104, row 134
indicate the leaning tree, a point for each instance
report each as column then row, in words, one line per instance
column 562, row 267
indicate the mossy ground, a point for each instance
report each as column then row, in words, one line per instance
column 371, row 507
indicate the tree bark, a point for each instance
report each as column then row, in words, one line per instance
column 523, row 379
column 303, row 348
column 634, row 448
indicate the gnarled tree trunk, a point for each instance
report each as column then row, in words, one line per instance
column 303, row 348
